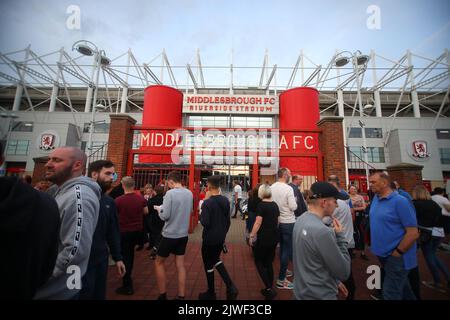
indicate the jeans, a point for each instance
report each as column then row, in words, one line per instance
column 396, row 284
column 285, row 230
column 238, row 208
column 433, row 262
column 414, row 282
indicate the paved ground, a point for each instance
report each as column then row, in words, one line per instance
column 240, row 265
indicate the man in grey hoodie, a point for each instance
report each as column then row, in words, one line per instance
column 175, row 212
column 78, row 199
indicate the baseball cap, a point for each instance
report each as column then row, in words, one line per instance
column 322, row 189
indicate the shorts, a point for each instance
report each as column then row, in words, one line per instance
column 169, row 246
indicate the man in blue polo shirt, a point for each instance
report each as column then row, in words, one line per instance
column 394, row 232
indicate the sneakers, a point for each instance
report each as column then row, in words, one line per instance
column 207, row 295
column 162, row 296
column 289, row 273
column 434, row 286
column 269, row 293
column 376, row 296
column 285, row 284
column 232, row 293
column 153, row 253
column 125, row 291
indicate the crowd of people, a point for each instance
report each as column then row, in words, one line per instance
column 58, row 237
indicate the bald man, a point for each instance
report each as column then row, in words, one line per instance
column 78, row 199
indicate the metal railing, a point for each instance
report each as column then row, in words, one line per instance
column 98, row 153
column 355, row 162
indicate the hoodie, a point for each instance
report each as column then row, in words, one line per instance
column 215, row 219
column 29, row 225
column 78, row 201
column 176, row 212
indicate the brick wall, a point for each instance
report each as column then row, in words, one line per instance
column 406, row 174
column 120, row 141
column 331, row 143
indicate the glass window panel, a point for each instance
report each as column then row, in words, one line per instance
column 374, row 133
column 18, row 147
column 445, row 155
column 12, row 145
column 22, row 126
column 101, row 128
column 355, row 133
column 443, row 133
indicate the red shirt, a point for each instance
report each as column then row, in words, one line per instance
column 130, row 208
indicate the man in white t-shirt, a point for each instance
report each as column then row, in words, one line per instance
column 444, row 203
column 237, row 194
column 283, row 196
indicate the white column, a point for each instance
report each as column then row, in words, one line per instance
column 361, row 121
column 340, row 101
column 414, row 97
column 162, row 65
column 98, row 57
column 19, row 89
column 17, row 97
column 55, row 88
column 123, row 105
column 377, row 99
column 231, row 73
column 302, row 67
column 376, row 93
column 87, row 106
column 415, row 101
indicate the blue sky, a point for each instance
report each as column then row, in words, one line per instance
column 216, row 26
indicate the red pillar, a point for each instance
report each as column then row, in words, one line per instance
column 255, row 169
column 194, row 218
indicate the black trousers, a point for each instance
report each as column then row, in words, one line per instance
column 350, row 282
column 211, row 260
column 237, row 208
column 360, row 231
column 128, row 241
column 211, row 255
column 94, row 282
column 264, row 255
column 146, row 235
column 155, row 234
